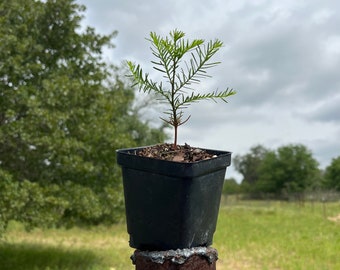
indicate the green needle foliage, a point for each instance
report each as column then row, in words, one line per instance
column 182, row 63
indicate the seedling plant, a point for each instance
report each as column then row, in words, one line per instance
column 183, row 63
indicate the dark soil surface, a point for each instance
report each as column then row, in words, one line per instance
column 182, row 153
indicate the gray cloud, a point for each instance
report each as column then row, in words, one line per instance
column 282, row 57
column 326, row 110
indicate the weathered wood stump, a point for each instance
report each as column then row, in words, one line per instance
column 197, row 258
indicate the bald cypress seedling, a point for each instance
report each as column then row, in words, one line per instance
column 182, row 63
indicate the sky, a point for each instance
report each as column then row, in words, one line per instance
column 281, row 57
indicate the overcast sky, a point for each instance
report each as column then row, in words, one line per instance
column 282, row 58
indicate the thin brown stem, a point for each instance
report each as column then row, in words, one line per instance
column 175, row 139
column 174, row 110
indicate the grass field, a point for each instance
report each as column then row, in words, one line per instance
column 250, row 235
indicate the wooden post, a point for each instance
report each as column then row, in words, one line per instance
column 197, row 258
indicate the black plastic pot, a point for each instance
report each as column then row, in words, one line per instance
column 171, row 205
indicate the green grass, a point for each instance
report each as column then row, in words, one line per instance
column 250, row 235
column 278, row 236
column 98, row 248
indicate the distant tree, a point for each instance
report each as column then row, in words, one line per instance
column 332, row 175
column 63, row 111
column 231, row 186
column 291, row 168
column 248, row 165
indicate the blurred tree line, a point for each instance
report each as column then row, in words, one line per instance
column 63, row 112
column 290, row 169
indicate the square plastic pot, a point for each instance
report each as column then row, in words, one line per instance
column 171, row 205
